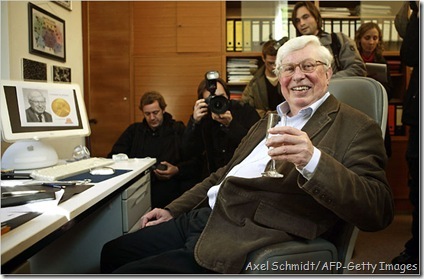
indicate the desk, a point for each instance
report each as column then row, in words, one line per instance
column 91, row 218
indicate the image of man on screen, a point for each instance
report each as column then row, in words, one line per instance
column 37, row 110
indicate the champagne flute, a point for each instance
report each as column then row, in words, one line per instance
column 273, row 119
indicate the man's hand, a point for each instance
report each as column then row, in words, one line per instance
column 154, row 217
column 224, row 118
column 170, row 171
column 290, row 144
column 200, row 110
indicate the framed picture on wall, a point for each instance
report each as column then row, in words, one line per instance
column 46, row 34
column 34, row 70
column 66, row 4
column 61, row 74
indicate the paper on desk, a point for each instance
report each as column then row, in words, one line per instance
column 46, row 207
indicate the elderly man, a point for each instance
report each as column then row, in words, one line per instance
column 37, row 110
column 333, row 161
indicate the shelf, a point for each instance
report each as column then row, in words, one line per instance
column 242, row 54
column 237, row 83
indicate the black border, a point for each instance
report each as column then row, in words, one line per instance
column 32, row 7
column 11, row 97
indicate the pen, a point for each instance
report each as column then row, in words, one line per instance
column 8, row 176
column 58, row 184
column 54, row 185
column 20, row 193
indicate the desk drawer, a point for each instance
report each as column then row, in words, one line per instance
column 138, row 184
column 136, row 226
column 135, row 206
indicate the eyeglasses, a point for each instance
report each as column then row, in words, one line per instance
column 37, row 102
column 306, row 66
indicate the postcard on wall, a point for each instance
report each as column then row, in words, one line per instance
column 65, row 4
column 34, row 70
column 61, row 74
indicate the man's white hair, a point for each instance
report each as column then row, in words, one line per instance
column 300, row 43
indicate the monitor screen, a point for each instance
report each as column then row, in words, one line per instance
column 36, row 110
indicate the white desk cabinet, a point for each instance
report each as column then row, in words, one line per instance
column 71, row 243
column 135, row 202
column 77, row 251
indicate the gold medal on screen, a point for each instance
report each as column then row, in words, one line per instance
column 61, row 107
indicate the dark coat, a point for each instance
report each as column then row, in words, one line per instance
column 256, row 93
column 410, row 55
column 31, row 116
column 215, row 141
column 164, row 144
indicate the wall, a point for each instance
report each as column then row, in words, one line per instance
column 14, row 47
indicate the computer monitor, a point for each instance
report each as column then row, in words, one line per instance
column 31, row 111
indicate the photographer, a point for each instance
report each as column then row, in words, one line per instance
column 217, row 124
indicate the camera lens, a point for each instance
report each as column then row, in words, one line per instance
column 218, row 104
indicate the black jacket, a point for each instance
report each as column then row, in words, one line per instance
column 164, row 144
column 215, row 141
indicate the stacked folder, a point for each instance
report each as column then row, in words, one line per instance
column 241, row 70
column 394, row 118
column 248, row 34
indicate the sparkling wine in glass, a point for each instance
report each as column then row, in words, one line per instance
column 273, row 119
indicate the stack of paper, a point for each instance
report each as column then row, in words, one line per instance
column 373, row 10
column 334, row 11
column 241, row 70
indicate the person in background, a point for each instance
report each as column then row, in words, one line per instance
column 216, row 136
column 410, row 56
column 307, row 20
column 160, row 136
column 332, row 171
column 369, row 40
column 263, row 91
column 37, row 110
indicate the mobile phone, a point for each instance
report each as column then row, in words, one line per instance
column 160, row 167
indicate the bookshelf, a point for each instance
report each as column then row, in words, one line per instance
column 338, row 16
column 251, row 23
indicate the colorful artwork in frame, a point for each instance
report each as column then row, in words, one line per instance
column 46, row 34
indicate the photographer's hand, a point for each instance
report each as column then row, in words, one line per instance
column 200, row 110
column 224, row 118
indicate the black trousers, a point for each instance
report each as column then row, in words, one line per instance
column 412, row 157
column 164, row 248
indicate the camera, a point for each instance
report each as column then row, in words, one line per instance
column 216, row 104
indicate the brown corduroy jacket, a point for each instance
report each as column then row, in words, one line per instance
column 349, row 183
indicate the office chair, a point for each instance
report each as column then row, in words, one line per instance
column 335, row 248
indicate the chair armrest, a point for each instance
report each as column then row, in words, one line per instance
column 316, row 256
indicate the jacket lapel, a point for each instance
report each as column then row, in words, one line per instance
column 321, row 117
